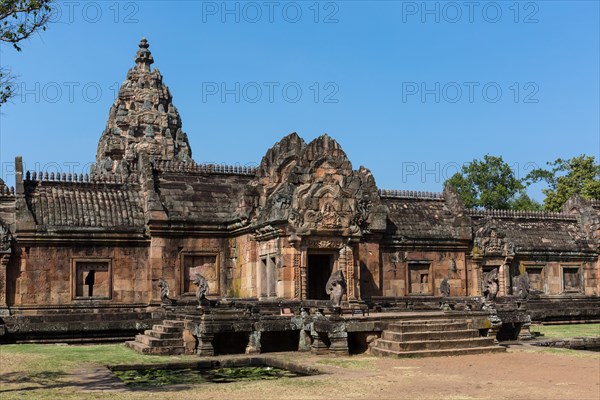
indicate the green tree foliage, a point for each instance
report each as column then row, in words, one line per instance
column 525, row 203
column 7, row 85
column 578, row 175
column 19, row 19
column 491, row 183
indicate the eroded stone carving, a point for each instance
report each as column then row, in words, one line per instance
column 279, row 162
column 164, row 291
column 490, row 285
column 491, row 242
column 521, row 285
column 336, row 287
column 202, row 289
column 452, row 267
column 329, row 218
column 266, row 232
column 325, row 244
column 445, row 288
column 5, row 239
column 363, row 209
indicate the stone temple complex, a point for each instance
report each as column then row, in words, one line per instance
column 83, row 255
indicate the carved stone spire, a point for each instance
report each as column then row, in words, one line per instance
column 144, row 58
column 143, row 119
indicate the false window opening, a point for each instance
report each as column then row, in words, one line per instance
column 571, row 279
column 92, row 279
column 205, row 265
column 419, row 278
column 536, row 280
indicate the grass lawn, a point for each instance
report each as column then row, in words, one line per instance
column 29, row 370
column 63, row 357
column 567, row 331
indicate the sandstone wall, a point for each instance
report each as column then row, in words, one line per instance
column 398, row 280
column 45, row 275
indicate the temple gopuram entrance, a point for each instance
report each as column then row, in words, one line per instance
column 320, row 266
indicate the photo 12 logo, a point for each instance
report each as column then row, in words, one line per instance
column 437, row 172
column 83, row 172
column 453, row 12
column 55, row 169
column 469, row 92
column 253, row 12
column 69, row 12
column 270, row 92
column 70, row 92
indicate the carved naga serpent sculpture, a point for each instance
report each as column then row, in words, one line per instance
column 202, row 290
column 336, row 287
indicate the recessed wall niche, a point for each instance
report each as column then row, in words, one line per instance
column 92, row 279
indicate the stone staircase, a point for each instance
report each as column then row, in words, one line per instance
column 163, row 339
column 430, row 338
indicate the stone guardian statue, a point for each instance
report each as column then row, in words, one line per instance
column 490, row 285
column 336, row 287
column 445, row 288
column 521, row 285
column 202, row 289
column 164, row 291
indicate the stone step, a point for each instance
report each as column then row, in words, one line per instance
column 167, row 329
column 174, row 323
column 163, row 335
column 437, row 353
column 157, row 351
column 427, row 327
column 154, row 342
column 434, row 344
column 429, row 335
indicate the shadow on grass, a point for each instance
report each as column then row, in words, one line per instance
column 41, row 380
column 99, row 379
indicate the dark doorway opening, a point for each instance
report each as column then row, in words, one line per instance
column 320, row 267
column 230, row 342
column 279, row 341
column 358, row 342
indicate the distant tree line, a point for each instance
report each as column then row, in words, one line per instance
column 492, row 184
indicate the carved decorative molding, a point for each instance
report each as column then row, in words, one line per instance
column 297, row 275
column 266, row 233
column 324, row 244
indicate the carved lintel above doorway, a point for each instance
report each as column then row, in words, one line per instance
column 329, row 243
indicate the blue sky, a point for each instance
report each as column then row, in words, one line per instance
column 411, row 90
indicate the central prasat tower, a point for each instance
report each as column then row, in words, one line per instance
column 143, row 119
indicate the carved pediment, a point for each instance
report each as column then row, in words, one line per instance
column 277, row 165
column 493, row 243
column 314, row 188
